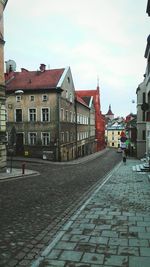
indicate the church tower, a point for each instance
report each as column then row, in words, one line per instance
column 2, row 90
column 109, row 114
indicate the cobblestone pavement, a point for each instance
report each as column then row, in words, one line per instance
column 33, row 208
column 111, row 229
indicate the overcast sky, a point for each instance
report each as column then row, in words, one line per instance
column 96, row 38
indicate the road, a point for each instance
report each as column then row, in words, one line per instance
column 33, row 209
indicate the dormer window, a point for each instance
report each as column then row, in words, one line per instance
column 44, row 97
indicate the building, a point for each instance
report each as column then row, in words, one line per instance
column 143, row 105
column 109, row 115
column 2, row 90
column 131, row 133
column 113, row 133
column 99, row 119
column 45, row 119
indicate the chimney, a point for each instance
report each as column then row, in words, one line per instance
column 42, row 67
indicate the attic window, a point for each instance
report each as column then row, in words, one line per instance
column 31, row 97
column 44, row 97
column 18, row 98
column 68, row 79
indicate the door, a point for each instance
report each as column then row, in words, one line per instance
column 19, row 144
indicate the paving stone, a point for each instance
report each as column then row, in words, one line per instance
column 127, row 251
column 80, row 238
column 54, row 254
column 109, row 234
column 53, row 263
column 138, row 242
column 139, row 261
column 86, row 226
column 144, row 251
column 118, row 242
column 116, row 260
column 144, row 235
column 93, row 258
column 106, row 250
column 99, row 240
column 65, row 245
column 71, row 255
column 137, row 229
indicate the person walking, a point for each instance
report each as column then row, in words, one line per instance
column 124, row 157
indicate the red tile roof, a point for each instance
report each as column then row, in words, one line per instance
column 81, row 101
column 26, row 80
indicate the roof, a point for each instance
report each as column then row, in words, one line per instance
column 81, row 101
column 109, row 111
column 87, row 99
column 28, row 80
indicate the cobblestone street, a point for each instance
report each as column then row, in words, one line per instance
column 34, row 208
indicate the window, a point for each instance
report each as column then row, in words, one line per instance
column 70, row 97
column 45, row 114
column 68, row 79
column 32, row 138
column 19, row 115
column 18, row 98
column 67, row 136
column 32, row 114
column 62, row 114
column 71, row 116
column 44, row 97
column 67, row 115
column 144, row 134
column 62, row 137
column 112, row 144
column 45, row 139
column 118, row 133
column 31, row 97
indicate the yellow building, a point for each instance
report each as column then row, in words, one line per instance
column 113, row 135
column 2, row 90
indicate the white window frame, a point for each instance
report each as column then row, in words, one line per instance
column 67, row 137
column 45, row 139
column 18, row 98
column 67, row 115
column 35, row 114
column 34, row 140
column 62, row 136
column 62, row 114
column 44, row 97
column 48, row 114
column 32, row 98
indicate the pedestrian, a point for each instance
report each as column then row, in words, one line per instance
column 124, row 157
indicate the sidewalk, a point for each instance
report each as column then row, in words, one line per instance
column 111, row 229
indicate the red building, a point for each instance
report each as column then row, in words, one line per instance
column 99, row 119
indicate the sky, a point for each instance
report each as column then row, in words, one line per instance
column 103, row 41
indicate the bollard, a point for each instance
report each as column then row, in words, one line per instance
column 23, row 168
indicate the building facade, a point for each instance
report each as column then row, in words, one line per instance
column 2, row 90
column 99, row 119
column 143, row 105
column 44, row 118
column 113, row 133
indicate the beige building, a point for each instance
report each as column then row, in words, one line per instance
column 44, row 119
column 113, row 133
column 2, row 90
